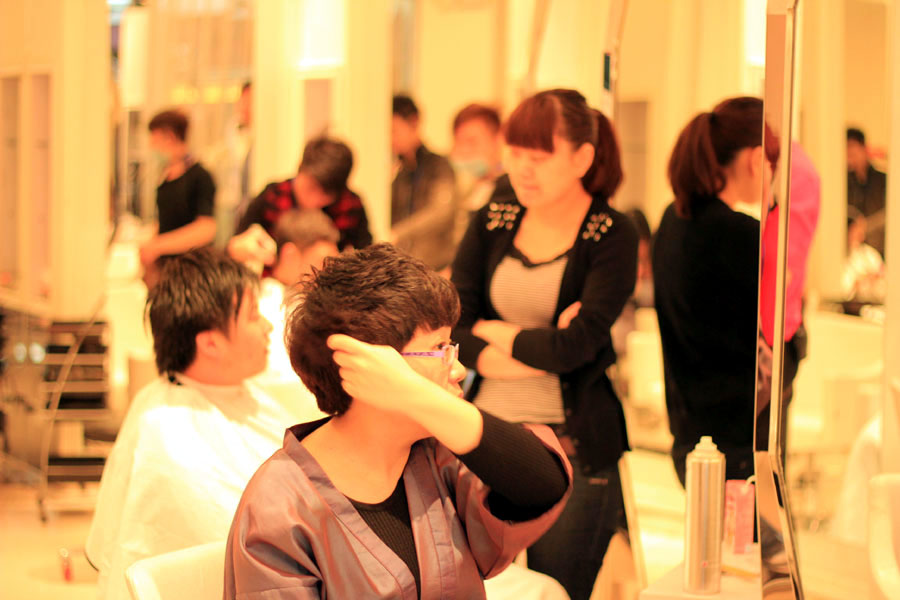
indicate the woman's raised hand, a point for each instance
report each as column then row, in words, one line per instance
column 375, row 375
column 380, row 377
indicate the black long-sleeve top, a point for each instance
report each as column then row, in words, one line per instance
column 524, row 477
column 705, row 277
column 601, row 273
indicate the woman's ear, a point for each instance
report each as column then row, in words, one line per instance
column 584, row 158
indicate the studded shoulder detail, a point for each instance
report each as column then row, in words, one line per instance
column 502, row 215
column 597, row 225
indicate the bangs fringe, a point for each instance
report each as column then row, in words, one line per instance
column 533, row 124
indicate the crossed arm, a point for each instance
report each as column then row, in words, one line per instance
column 496, row 360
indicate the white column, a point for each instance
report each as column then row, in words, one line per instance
column 80, row 192
column 363, row 107
column 891, row 434
column 823, row 137
column 277, row 91
column 457, row 64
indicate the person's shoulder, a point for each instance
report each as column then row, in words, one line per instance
column 163, row 403
column 438, row 163
column 154, row 396
column 350, row 200
column 606, row 224
column 277, row 188
column 279, row 487
column 503, row 187
column 741, row 221
column 500, row 214
column 717, row 214
column 670, row 213
column 198, row 171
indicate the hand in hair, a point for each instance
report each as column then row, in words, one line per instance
column 374, row 375
column 379, row 377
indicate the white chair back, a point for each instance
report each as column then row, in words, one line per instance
column 520, row 583
column 643, row 350
column 197, row 573
column 884, row 533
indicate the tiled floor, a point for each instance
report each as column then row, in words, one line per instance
column 30, row 566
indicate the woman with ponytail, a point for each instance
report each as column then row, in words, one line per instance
column 705, row 276
column 543, row 271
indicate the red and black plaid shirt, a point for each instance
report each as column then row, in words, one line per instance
column 347, row 212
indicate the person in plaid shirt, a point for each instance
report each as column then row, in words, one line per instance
column 321, row 182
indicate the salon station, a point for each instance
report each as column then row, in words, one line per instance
column 566, row 299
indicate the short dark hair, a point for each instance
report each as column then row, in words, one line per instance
column 246, row 86
column 378, row 295
column 200, row 290
column 710, row 142
column 565, row 113
column 856, row 135
column 303, row 228
column 329, row 162
column 477, row 112
column 405, row 108
column 173, row 121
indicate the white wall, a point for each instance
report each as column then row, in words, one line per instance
column 891, row 435
column 359, row 102
column 365, row 124
column 277, row 92
column 69, row 41
column 80, row 209
column 459, row 61
column 865, row 69
column 681, row 58
column 823, row 136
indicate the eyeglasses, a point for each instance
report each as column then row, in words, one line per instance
column 447, row 353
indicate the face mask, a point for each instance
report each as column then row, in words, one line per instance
column 160, row 157
column 477, row 168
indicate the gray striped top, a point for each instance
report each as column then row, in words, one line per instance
column 525, row 294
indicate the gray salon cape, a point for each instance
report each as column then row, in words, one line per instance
column 295, row 535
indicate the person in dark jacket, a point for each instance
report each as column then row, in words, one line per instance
column 866, row 188
column 543, row 271
column 423, row 192
column 706, row 280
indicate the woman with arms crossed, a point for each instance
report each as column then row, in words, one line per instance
column 543, row 271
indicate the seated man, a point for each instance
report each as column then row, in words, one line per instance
column 192, row 438
column 303, row 239
column 863, row 277
column 406, row 490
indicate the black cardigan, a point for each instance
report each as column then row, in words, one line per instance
column 705, row 281
column 600, row 273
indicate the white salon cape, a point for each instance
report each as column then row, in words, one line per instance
column 279, row 379
column 177, row 471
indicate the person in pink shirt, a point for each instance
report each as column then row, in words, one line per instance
column 803, row 218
